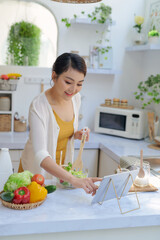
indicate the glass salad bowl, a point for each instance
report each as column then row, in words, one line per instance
column 78, row 174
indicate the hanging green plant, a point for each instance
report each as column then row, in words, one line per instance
column 24, row 42
column 101, row 15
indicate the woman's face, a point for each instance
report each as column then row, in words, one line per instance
column 68, row 83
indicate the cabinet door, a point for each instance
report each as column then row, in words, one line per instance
column 15, row 157
column 90, row 160
column 107, row 165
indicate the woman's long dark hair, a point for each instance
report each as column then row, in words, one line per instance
column 67, row 60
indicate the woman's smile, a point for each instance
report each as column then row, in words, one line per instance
column 69, row 94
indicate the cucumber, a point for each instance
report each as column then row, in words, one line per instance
column 50, row 188
column 7, row 196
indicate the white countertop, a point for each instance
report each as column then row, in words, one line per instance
column 115, row 147
column 71, row 210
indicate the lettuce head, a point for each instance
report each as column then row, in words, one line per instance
column 17, row 180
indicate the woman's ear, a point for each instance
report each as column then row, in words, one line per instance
column 54, row 76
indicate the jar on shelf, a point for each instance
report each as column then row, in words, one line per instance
column 116, row 102
column 138, row 38
column 108, row 101
column 124, row 103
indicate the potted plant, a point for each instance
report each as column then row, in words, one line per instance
column 153, row 36
column 138, row 35
column 24, row 43
column 149, row 91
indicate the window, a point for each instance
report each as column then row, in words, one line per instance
column 35, row 13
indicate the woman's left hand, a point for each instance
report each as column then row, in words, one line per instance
column 78, row 134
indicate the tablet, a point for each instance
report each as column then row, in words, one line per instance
column 121, row 181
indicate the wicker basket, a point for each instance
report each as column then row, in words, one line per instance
column 5, row 122
column 26, row 206
column 20, row 126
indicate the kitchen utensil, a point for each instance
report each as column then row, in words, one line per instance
column 60, row 161
column 141, row 173
column 154, row 146
column 151, row 125
column 78, row 163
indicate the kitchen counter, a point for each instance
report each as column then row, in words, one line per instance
column 71, row 212
column 115, row 147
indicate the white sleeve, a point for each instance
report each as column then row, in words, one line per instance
column 38, row 134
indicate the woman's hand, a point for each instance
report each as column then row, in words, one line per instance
column 78, row 134
column 86, row 183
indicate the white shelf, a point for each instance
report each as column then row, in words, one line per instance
column 103, row 71
column 5, row 112
column 6, row 92
column 145, row 47
column 88, row 21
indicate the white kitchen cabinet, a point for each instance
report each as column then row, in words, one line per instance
column 107, row 165
column 90, row 160
column 9, row 114
column 89, row 157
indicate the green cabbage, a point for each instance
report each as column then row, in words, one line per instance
column 17, row 180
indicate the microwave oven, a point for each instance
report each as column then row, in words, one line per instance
column 128, row 123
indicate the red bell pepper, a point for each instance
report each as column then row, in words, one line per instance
column 21, row 195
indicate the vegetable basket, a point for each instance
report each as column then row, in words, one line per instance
column 25, row 206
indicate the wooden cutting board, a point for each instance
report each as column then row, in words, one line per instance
column 154, row 146
column 149, row 188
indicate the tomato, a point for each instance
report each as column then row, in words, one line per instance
column 38, row 178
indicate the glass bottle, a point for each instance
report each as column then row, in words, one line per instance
column 142, row 182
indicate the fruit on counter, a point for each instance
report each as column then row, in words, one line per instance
column 14, row 75
column 21, row 195
column 17, row 180
column 37, row 192
column 7, row 196
column 38, row 178
column 4, row 77
column 50, row 188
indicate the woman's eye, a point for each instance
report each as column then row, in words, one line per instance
column 79, row 85
column 68, row 82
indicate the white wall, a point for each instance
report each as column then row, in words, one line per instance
column 135, row 66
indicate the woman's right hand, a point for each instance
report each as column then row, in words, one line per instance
column 86, row 183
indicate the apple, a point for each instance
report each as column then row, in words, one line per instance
column 4, row 77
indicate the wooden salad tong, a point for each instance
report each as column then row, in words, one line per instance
column 78, row 163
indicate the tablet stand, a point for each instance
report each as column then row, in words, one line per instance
column 118, row 198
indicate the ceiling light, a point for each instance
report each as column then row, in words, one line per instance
column 77, row 1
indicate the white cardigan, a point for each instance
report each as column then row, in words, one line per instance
column 43, row 135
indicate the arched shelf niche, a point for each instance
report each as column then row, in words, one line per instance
column 38, row 13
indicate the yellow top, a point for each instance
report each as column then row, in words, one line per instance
column 66, row 131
